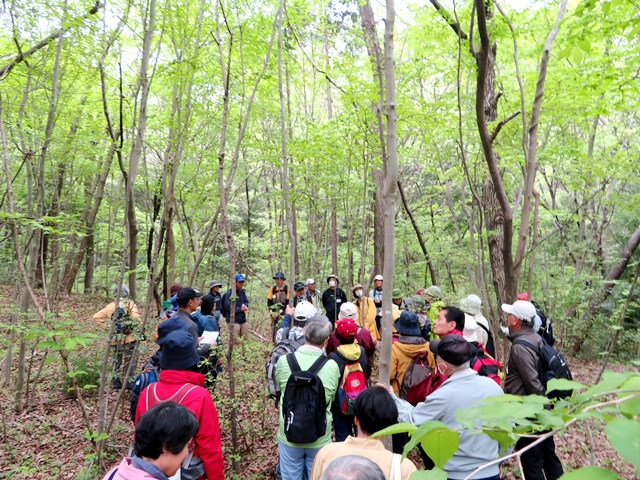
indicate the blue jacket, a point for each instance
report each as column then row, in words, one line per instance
column 241, row 299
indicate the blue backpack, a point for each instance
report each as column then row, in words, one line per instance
column 150, row 374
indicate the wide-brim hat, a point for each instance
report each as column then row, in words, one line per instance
column 178, row 351
column 168, row 326
column 408, row 324
column 348, row 310
column 396, row 293
column 215, row 283
column 333, row 275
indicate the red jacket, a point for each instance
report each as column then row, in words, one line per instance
column 208, row 444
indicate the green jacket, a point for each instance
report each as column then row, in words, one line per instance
column 330, row 376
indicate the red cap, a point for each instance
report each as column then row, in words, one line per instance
column 523, row 296
column 347, row 328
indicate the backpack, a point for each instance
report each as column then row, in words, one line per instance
column 552, row 365
column 304, row 404
column 485, row 364
column 418, row 381
column 491, row 345
column 284, row 347
column 352, row 384
column 546, row 330
column 150, row 374
column 125, row 324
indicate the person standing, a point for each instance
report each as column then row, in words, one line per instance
column 464, row 388
column 123, row 340
column 312, row 295
column 300, row 294
column 523, row 378
column 181, row 383
column 333, row 298
column 216, row 297
column 240, row 326
column 296, row 458
column 367, row 311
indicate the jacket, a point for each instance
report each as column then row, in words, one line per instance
column 332, row 300
column 523, row 366
column 367, row 312
column 402, row 354
column 208, row 444
column 463, row 389
column 103, row 317
column 328, row 374
column 241, row 299
column 126, row 471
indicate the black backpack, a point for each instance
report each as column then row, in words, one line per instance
column 552, row 365
column 304, row 405
column 490, row 347
column 125, row 324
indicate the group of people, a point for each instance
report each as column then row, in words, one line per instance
column 328, row 404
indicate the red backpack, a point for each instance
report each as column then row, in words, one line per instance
column 352, row 384
column 485, row 364
column 418, row 381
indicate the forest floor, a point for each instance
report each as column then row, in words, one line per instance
column 47, row 440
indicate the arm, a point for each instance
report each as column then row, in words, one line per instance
column 103, row 316
column 431, row 409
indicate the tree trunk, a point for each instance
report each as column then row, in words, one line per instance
column 390, row 193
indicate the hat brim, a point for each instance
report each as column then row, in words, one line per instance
column 404, row 330
column 170, row 362
column 506, row 308
column 433, row 345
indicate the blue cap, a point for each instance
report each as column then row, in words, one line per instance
column 239, row 277
column 278, row 275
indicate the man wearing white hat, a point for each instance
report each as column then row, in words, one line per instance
column 523, row 378
column 312, row 295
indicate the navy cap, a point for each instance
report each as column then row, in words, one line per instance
column 278, row 275
column 178, row 351
column 168, row 326
column 188, row 293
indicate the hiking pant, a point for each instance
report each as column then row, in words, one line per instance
column 241, row 330
column 541, row 461
column 122, row 357
column 342, row 426
column 296, row 462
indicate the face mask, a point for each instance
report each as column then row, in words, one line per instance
column 359, row 293
column 332, row 283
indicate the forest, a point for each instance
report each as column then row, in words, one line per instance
column 486, row 147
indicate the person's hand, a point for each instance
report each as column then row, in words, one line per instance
column 244, row 308
column 289, row 310
column 386, row 387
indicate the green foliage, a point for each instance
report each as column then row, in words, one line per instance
column 590, row 473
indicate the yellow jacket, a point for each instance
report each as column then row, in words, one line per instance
column 103, row 318
column 402, row 353
column 367, row 316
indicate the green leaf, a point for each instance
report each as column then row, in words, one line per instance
column 419, row 434
column 434, row 474
column 610, row 382
column 440, row 444
column 76, row 373
column 631, row 407
column 397, row 428
column 47, row 344
column 563, row 384
column 504, row 439
column 624, row 435
column 590, row 473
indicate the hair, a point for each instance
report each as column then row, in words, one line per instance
column 207, row 305
column 183, row 302
column 375, row 410
column 453, row 314
column 167, row 426
column 121, row 291
column 316, row 331
column 353, row 467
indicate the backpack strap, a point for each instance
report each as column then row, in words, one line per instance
column 113, row 474
column 294, row 366
column 318, row 364
column 528, row 344
column 487, row 330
